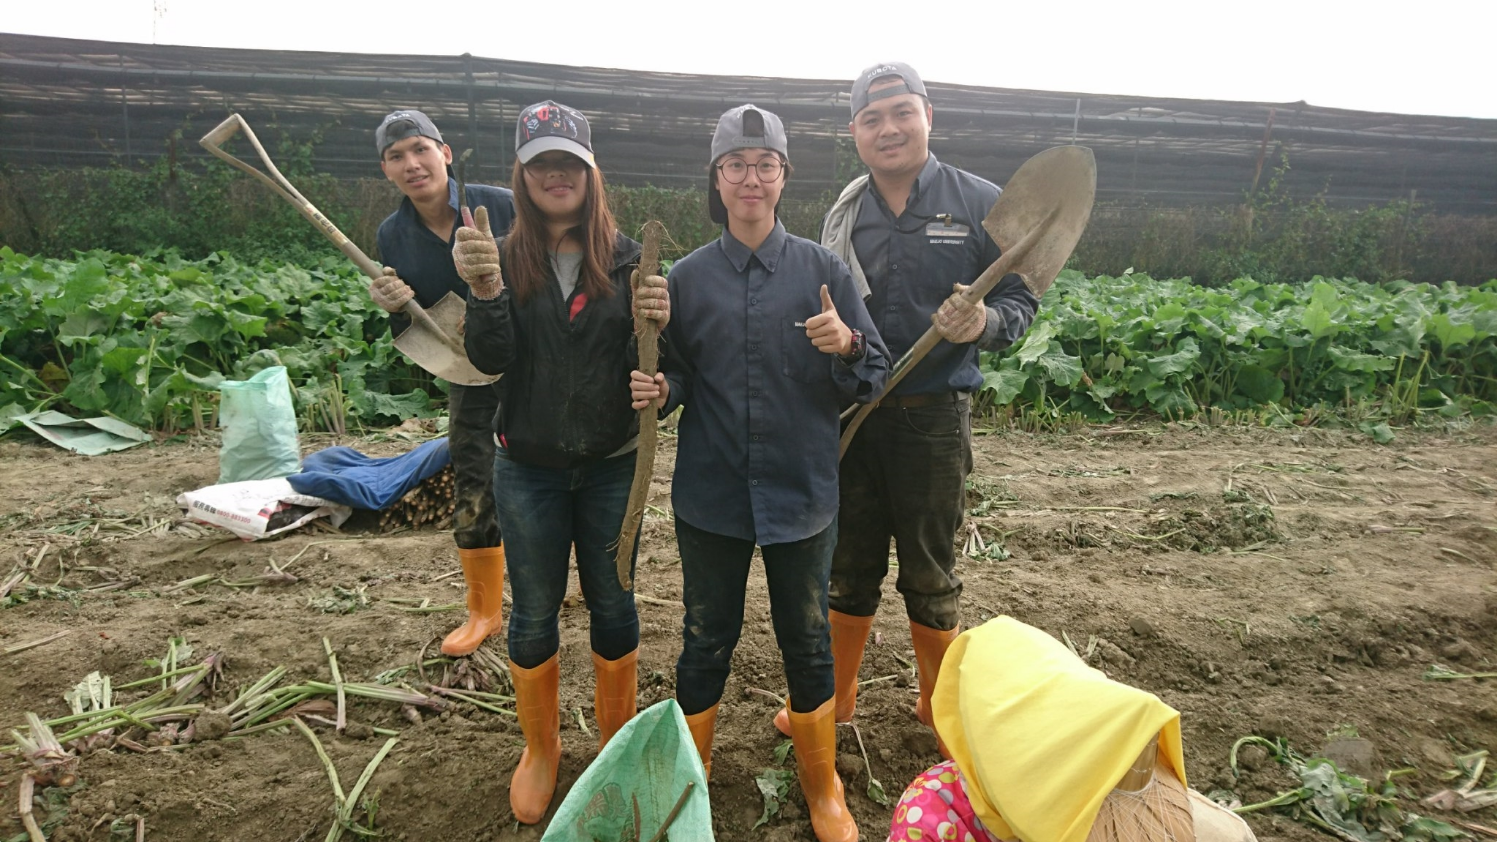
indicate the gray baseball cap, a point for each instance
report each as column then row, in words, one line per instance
column 912, row 84
column 749, row 127
column 744, row 127
column 399, row 125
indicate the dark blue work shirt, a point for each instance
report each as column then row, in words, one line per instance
column 756, row 453
column 422, row 259
column 912, row 261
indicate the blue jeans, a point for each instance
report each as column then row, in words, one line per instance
column 714, row 572
column 543, row 513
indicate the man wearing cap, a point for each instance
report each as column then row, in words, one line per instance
column 911, row 231
column 415, row 243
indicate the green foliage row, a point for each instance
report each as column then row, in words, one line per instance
column 147, row 339
column 1103, row 346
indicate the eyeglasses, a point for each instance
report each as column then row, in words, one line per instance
column 736, row 170
column 566, row 162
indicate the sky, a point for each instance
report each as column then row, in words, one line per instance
column 1431, row 57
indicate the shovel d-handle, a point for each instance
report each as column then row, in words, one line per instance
column 234, row 124
column 928, row 340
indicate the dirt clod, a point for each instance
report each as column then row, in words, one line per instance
column 210, row 726
column 849, row 766
column 1142, row 627
column 1356, row 755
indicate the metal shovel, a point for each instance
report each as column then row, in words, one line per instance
column 432, row 340
column 1036, row 222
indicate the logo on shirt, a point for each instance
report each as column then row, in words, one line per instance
column 948, row 233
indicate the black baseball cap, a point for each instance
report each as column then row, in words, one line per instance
column 744, row 127
column 547, row 126
column 399, row 125
column 912, row 84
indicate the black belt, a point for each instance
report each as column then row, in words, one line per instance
column 916, row 401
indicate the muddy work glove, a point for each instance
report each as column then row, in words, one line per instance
column 389, row 292
column 652, row 300
column 960, row 321
column 476, row 256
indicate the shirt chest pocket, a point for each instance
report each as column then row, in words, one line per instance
column 949, row 255
column 799, row 359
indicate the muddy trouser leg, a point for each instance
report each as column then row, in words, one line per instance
column 861, row 558
column 930, row 450
column 470, row 440
column 535, row 506
column 797, row 573
column 600, row 497
column 714, row 578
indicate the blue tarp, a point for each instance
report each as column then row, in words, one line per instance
column 346, row 476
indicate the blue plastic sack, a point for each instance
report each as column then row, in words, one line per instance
column 346, row 476
column 259, row 424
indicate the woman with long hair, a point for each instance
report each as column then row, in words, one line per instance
column 558, row 323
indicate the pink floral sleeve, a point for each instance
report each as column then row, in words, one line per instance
column 935, row 809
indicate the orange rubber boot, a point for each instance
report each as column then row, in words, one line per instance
column 615, row 687
column 483, row 570
column 930, row 648
column 849, row 638
column 815, row 736
column 538, row 703
column 702, row 725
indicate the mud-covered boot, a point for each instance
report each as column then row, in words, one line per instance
column 538, row 703
column 615, row 687
column 483, row 571
column 815, row 738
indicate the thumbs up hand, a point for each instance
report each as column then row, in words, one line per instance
column 476, row 255
column 826, row 330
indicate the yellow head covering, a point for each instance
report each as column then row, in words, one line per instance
column 1040, row 737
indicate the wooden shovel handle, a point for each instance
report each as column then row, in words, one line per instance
column 234, row 124
column 975, row 293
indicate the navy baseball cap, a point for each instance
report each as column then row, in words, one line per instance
column 547, row 126
column 399, row 125
column 912, row 84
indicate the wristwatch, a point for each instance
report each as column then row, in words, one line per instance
column 859, row 348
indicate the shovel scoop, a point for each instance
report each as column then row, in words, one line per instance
column 432, row 340
column 1036, row 222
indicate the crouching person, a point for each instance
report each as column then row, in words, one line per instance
column 768, row 341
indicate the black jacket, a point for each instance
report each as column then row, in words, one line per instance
column 566, row 381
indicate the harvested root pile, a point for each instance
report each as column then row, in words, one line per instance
column 428, row 504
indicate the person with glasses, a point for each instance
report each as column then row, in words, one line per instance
column 415, row 244
column 558, row 323
column 911, row 232
column 769, row 339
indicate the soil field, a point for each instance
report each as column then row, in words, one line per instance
column 1294, row 583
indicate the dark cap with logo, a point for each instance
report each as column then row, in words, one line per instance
column 744, row 127
column 547, row 126
column 912, row 84
column 399, row 125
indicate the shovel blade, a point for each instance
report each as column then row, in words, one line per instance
column 1054, row 189
column 436, row 353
